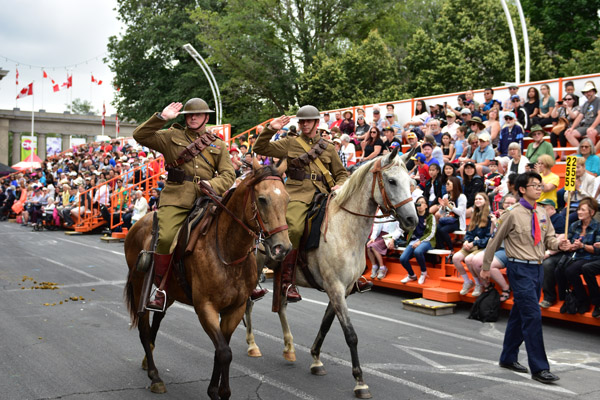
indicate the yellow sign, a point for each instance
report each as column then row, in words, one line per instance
column 570, row 173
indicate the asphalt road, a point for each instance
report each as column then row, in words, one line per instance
column 84, row 350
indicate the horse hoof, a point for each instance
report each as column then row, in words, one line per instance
column 254, row 353
column 145, row 364
column 158, row 387
column 318, row 370
column 362, row 392
column 289, row 356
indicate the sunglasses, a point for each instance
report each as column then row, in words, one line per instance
column 373, row 131
column 419, row 204
column 516, row 100
column 508, row 118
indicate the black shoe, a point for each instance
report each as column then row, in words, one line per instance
column 596, row 312
column 545, row 376
column 515, row 366
column 583, row 308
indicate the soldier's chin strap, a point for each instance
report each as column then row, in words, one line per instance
column 202, row 124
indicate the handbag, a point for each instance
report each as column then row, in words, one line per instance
column 570, row 304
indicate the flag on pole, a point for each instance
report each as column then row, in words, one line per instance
column 118, row 128
column 17, row 77
column 55, row 86
column 96, row 81
column 44, row 74
column 69, row 82
column 103, row 114
column 26, row 91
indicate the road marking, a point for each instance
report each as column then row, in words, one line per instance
column 93, row 247
column 421, row 327
column 537, row 386
column 210, row 355
column 426, row 360
column 71, row 268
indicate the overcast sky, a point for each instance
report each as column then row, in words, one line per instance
column 55, row 34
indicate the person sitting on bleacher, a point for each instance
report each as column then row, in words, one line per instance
column 584, row 187
column 590, row 271
column 586, row 123
column 476, row 238
column 420, row 241
column 471, row 185
column 452, row 213
column 539, row 145
column 552, row 256
column 550, row 180
column 385, row 232
column 511, row 133
column 583, row 234
column 565, row 113
column 592, row 161
column 433, row 188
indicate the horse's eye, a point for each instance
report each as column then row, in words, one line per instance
column 263, row 201
column 392, row 182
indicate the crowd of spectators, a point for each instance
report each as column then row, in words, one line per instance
column 99, row 178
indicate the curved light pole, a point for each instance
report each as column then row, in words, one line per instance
column 214, row 87
column 513, row 36
column 525, row 39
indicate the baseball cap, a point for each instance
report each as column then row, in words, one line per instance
column 465, row 111
column 450, row 114
column 485, row 137
column 393, row 145
column 419, row 156
column 510, row 114
column 469, row 164
column 547, row 202
column 515, row 97
column 426, row 144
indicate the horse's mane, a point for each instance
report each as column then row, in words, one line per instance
column 260, row 174
column 356, row 180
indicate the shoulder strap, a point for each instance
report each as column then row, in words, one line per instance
column 193, row 149
column 314, row 156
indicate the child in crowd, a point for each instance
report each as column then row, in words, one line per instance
column 447, row 148
column 422, row 170
column 476, row 240
column 492, row 181
column 385, row 232
column 420, row 241
column 461, row 141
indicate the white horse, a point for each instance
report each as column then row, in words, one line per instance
column 339, row 261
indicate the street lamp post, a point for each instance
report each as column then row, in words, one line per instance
column 214, row 87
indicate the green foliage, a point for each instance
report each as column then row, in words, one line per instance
column 366, row 73
column 79, row 106
column 567, row 25
column 468, row 49
column 583, row 62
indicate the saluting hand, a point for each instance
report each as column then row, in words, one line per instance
column 280, row 122
column 171, row 111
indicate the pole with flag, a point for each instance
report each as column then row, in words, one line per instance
column 17, row 85
column 117, row 128
column 32, row 119
column 103, row 116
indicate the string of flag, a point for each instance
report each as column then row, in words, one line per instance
column 69, row 66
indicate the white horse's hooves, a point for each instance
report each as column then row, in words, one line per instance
column 158, row 387
column 318, row 370
column 254, row 353
column 289, row 356
column 362, row 392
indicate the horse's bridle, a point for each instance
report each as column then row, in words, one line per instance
column 387, row 208
column 263, row 233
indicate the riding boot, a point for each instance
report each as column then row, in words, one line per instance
column 161, row 267
column 258, row 294
column 288, row 275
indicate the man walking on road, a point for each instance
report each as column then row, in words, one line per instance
column 527, row 232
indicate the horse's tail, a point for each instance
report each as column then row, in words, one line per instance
column 130, row 300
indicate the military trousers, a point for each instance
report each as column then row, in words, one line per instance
column 296, row 218
column 170, row 219
column 525, row 320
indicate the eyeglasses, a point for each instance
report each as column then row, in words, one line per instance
column 535, row 186
column 508, row 118
column 568, row 99
column 373, row 131
column 585, row 146
column 516, row 100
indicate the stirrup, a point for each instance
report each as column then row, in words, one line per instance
column 368, row 283
column 285, row 294
column 164, row 293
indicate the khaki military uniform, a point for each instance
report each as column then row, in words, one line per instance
column 514, row 227
column 301, row 192
column 176, row 200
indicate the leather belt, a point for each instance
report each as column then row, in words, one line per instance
column 536, row 262
column 301, row 175
column 189, row 178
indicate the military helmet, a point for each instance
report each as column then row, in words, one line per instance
column 308, row 112
column 196, row 106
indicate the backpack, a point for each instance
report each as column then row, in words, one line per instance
column 487, row 306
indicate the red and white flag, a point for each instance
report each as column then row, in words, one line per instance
column 69, row 82
column 17, row 79
column 96, row 81
column 45, row 75
column 117, row 125
column 103, row 114
column 55, row 86
column 26, row 91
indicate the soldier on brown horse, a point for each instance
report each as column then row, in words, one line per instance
column 220, row 268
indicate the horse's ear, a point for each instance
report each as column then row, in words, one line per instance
column 406, row 156
column 390, row 157
column 255, row 164
column 282, row 167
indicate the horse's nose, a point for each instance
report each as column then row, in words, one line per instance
column 412, row 221
column 279, row 251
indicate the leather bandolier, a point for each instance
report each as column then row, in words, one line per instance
column 176, row 174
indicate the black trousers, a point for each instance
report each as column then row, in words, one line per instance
column 590, row 271
column 549, row 284
column 571, row 275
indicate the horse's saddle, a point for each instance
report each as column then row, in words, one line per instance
column 312, row 236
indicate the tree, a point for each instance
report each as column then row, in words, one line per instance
column 365, row 73
column 151, row 67
column 567, row 25
column 582, row 62
column 79, row 106
column 469, row 49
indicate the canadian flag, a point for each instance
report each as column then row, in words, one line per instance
column 103, row 114
column 45, row 75
column 17, row 79
column 96, row 81
column 69, row 82
column 26, row 91
column 55, row 86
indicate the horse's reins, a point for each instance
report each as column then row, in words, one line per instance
column 263, row 232
column 388, row 208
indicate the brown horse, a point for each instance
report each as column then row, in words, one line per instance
column 221, row 270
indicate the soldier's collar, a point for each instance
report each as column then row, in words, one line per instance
column 193, row 134
column 308, row 140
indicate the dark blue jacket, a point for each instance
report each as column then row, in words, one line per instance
column 482, row 234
